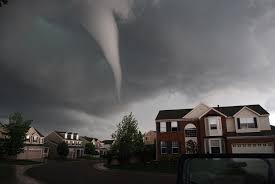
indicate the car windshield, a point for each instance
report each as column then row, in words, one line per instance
column 228, row 171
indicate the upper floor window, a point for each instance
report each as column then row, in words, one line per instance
column 162, row 126
column 163, row 147
column 244, row 123
column 27, row 138
column 213, row 123
column 66, row 136
column 34, row 139
column 72, row 136
column 174, row 126
column 77, row 137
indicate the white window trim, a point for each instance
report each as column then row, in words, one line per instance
column 175, row 122
column 210, row 146
column 160, row 127
column 163, row 147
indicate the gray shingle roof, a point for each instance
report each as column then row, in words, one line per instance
column 227, row 110
column 172, row 114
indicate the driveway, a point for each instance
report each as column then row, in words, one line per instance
column 83, row 172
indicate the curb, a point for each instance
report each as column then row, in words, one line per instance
column 101, row 167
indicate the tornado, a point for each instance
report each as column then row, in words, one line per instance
column 100, row 22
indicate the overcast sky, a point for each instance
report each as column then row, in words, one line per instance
column 59, row 59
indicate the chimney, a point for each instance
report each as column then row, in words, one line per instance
column 218, row 106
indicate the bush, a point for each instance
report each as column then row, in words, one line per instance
column 63, row 150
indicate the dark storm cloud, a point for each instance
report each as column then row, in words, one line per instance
column 52, row 69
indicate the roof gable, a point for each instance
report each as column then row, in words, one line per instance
column 197, row 111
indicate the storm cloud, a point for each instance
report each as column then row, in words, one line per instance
column 54, row 71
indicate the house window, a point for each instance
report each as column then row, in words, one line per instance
column 27, row 138
column 77, row 137
column 73, row 143
column 66, row 136
column 174, row 126
column 215, row 146
column 247, row 123
column 191, row 132
column 213, row 122
column 35, row 139
column 163, row 147
column 72, row 136
column 162, row 126
column 175, row 147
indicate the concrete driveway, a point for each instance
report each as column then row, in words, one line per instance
column 78, row 172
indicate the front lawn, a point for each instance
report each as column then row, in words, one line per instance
column 157, row 167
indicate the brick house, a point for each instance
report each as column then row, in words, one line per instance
column 76, row 149
column 231, row 129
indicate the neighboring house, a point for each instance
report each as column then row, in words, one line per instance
column 34, row 146
column 150, row 137
column 3, row 133
column 106, row 146
column 231, row 129
column 76, row 149
column 95, row 141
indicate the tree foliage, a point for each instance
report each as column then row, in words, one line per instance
column 89, row 149
column 16, row 133
column 191, row 147
column 128, row 140
column 63, row 149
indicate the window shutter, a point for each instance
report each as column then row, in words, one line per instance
column 158, row 127
column 179, row 147
column 178, row 125
column 239, row 123
column 168, row 126
column 255, row 122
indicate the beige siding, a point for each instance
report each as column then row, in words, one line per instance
column 54, row 137
column 197, row 111
column 264, row 123
column 230, row 125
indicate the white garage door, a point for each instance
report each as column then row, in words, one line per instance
column 253, row 148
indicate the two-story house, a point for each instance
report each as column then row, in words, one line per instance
column 34, row 148
column 231, row 129
column 76, row 149
column 92, row 140
column 149, row 138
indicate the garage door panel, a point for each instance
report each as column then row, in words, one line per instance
column 253, row 148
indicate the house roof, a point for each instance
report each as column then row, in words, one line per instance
column 108, row 141
column 261, row 133
column 172, row 114
column 62, row 134
column 90, row 139
column 41, row 135
column 227, row 110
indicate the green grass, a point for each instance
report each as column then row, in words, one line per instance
column 169, row 168
column 18, row 162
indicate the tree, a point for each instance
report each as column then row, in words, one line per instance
column 16, row 133
column 63, row 149
column 89, row 149
column 128, row 140
column 191, row 147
